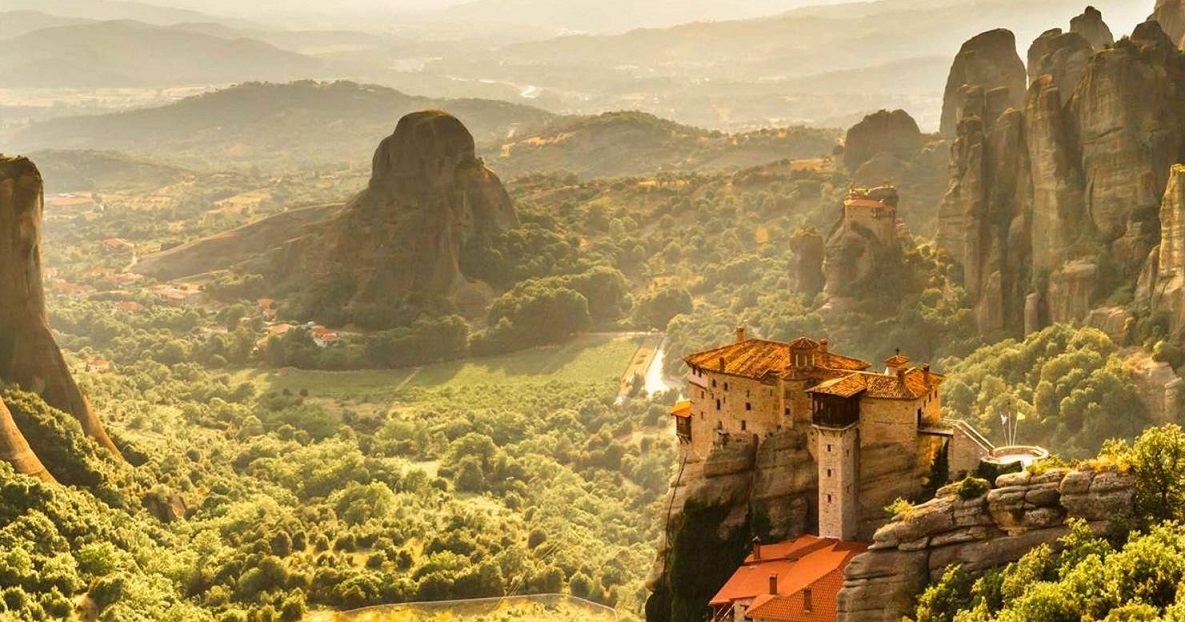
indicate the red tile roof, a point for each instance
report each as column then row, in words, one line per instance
column 757, row 358
column 844, row 386
column 682, row 409
column 806, row 562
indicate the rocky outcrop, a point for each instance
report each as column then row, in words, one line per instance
column 809, row 250
column 15, row 450
column 985, row 532
column 745, row 476
column 1171, row 16
column 29, row 356
column 1058, row 205
column 1164, row 279
column 1092, row 27
column 881, row 132
column 413, row 237
column 988, row 62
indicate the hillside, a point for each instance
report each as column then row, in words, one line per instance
column 148, row 12
column 270, row 125
column 92, row 171
column 129, row 53
column 17, row 23
column 634, row 143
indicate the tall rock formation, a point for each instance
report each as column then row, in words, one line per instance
column 988, row 61
column 1034, row 190
column 1092, row 27
column 430, row 201
column 809, row 249
column 29, row 356
column 1163, row 281
column 1127, row 113
column 1171, row 16
column 983, row 219
column 413, row 238
column 881, row 132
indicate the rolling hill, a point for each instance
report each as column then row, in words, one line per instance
column 269, row 125
column 634, row 143
column 128, row 53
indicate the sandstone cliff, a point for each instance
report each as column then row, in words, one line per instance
column 401, row 242
column 1035, row 189
column 980, row 533
column 29, row 356
column 988, row 61
column 1163, row 281
column 1171, row 15
column 809, row 249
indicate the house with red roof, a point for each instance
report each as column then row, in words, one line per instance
column 793, row 581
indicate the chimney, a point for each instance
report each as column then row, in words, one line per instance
column 926, row 374
column 773, row 584
column 901, row 376
column 806, row 600
column 740, row 334
column 722, row 363
column 756, row 549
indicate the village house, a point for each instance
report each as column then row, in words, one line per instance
column 324, row 337
column 795, row 581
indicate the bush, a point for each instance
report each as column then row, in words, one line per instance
column 973, row 488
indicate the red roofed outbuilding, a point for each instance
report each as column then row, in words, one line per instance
column 794, row 581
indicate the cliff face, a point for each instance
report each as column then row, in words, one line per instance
column 29, row 356
column 809, row 249
column 981, row 533
column 1035, row 188
column 988, row 61
column 1163, row 283
column 1171, row 15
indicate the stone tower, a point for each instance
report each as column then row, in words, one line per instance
column 838, row 454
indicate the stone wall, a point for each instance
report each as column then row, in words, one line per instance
column 992, row 530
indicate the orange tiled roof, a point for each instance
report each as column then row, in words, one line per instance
column 792, row 608
column 756, row 358
column 682, row 409
column 897, row 360
column 844, row 386
column 807, row 563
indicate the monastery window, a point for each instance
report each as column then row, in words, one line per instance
column 701, row 392
column 828, row 472
column 743, row 425
column 828, row 451
column 713, row 383
column 919, row 417
column 828, row 498
column 746, row 393
column 787, row 411
column 726, row 386
column 748, row 406
column 717, row 404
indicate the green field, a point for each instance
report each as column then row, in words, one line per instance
column 592, row 359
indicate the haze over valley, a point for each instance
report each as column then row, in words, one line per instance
column 562, row 310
